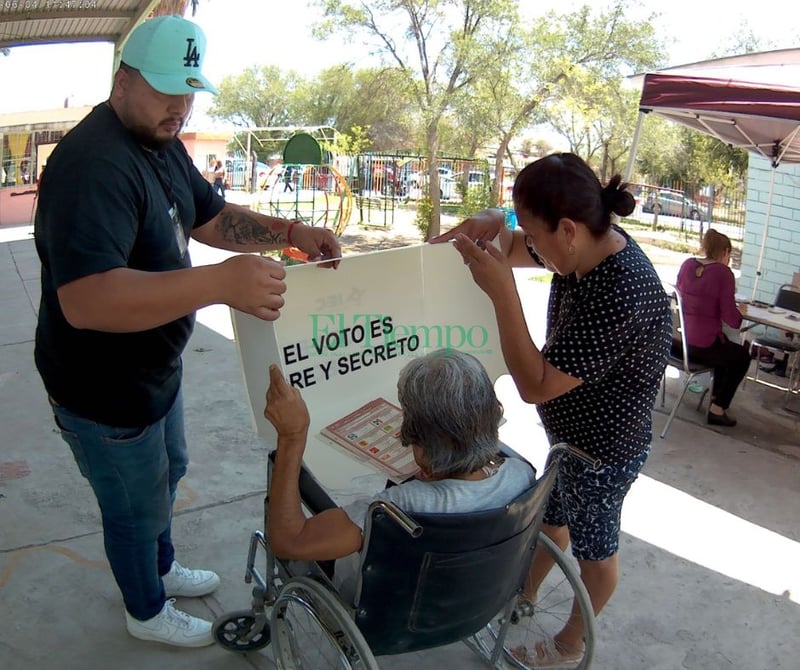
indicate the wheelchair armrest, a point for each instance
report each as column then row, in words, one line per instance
column 312, row 493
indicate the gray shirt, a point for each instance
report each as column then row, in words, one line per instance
column 446, row 496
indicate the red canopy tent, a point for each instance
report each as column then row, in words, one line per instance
column 750, row 101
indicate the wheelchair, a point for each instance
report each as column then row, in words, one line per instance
column 426, row 580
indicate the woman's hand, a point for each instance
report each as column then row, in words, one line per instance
column 481, row 227
column 490, row 269
column 285, row 409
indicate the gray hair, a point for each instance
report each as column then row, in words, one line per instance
column 450, row 411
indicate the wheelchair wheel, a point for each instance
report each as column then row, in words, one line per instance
column 232, row 630
column 313, row 631
column 531, row 623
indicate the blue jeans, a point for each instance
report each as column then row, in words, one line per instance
column 134, row 473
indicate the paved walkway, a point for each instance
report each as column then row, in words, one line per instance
column 709, row 556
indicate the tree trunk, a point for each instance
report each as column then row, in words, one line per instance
column 499, row 172
column 432, row 134
column 604, row 165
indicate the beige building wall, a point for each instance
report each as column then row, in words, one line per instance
column 205, row 147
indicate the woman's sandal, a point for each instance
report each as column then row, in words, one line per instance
column 546, row 654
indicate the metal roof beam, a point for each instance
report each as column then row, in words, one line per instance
column 97, row 13
column 59, row 39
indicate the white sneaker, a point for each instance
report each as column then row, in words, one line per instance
column 180, row 581
column 172, row 626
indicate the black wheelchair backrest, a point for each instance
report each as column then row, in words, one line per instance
column 450, row 580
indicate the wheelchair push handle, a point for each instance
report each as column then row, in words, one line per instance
column 399, row 516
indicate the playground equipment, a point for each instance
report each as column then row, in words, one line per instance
column 306, row 189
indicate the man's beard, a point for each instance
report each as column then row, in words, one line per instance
column 146, row 138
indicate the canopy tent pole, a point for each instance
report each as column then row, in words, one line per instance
column 634, row 146
column 764, row 234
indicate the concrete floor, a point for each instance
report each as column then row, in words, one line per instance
column 709, row 555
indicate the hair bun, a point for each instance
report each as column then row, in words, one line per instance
column 616, row 199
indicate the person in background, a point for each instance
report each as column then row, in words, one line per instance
column 219, row 178
column 25, row 174
column 596, row 378
column 288, row 177
column 117, row 205
column 450, row 419
column 707, row 289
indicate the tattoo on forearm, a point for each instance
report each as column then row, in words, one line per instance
column 243, row 228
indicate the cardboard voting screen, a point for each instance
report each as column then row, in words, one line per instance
column 344, row 335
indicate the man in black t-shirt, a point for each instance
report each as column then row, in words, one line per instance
column 117, row 205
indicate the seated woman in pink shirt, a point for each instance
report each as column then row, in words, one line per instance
column 707, row 288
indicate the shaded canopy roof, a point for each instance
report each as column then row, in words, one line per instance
column 751, row 101
column 25, row 22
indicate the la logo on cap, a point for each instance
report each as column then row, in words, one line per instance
column 192, row 57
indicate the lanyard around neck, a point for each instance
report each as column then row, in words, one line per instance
column 166, row 184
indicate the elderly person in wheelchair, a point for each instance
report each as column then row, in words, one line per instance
column 434, row 560
column 450, row 420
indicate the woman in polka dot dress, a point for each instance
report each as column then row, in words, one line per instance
column 596, row 378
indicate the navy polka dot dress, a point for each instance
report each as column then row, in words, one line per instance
column 613, row 330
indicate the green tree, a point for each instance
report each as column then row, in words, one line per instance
column 478, row 196
column 539, row 59
column 466, row 129
column 260, row 97
column 355, row 142
column 439, row 46
column 707, row 161
column 374, row 100
column 597, row 118
column 660, row 152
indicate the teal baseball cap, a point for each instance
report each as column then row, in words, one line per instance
column 168, row 51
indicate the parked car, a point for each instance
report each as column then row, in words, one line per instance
column 475, row 178
column 447, row 182
column 235, row 172
column 671, row 203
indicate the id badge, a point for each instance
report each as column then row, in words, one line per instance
column 180, row 234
